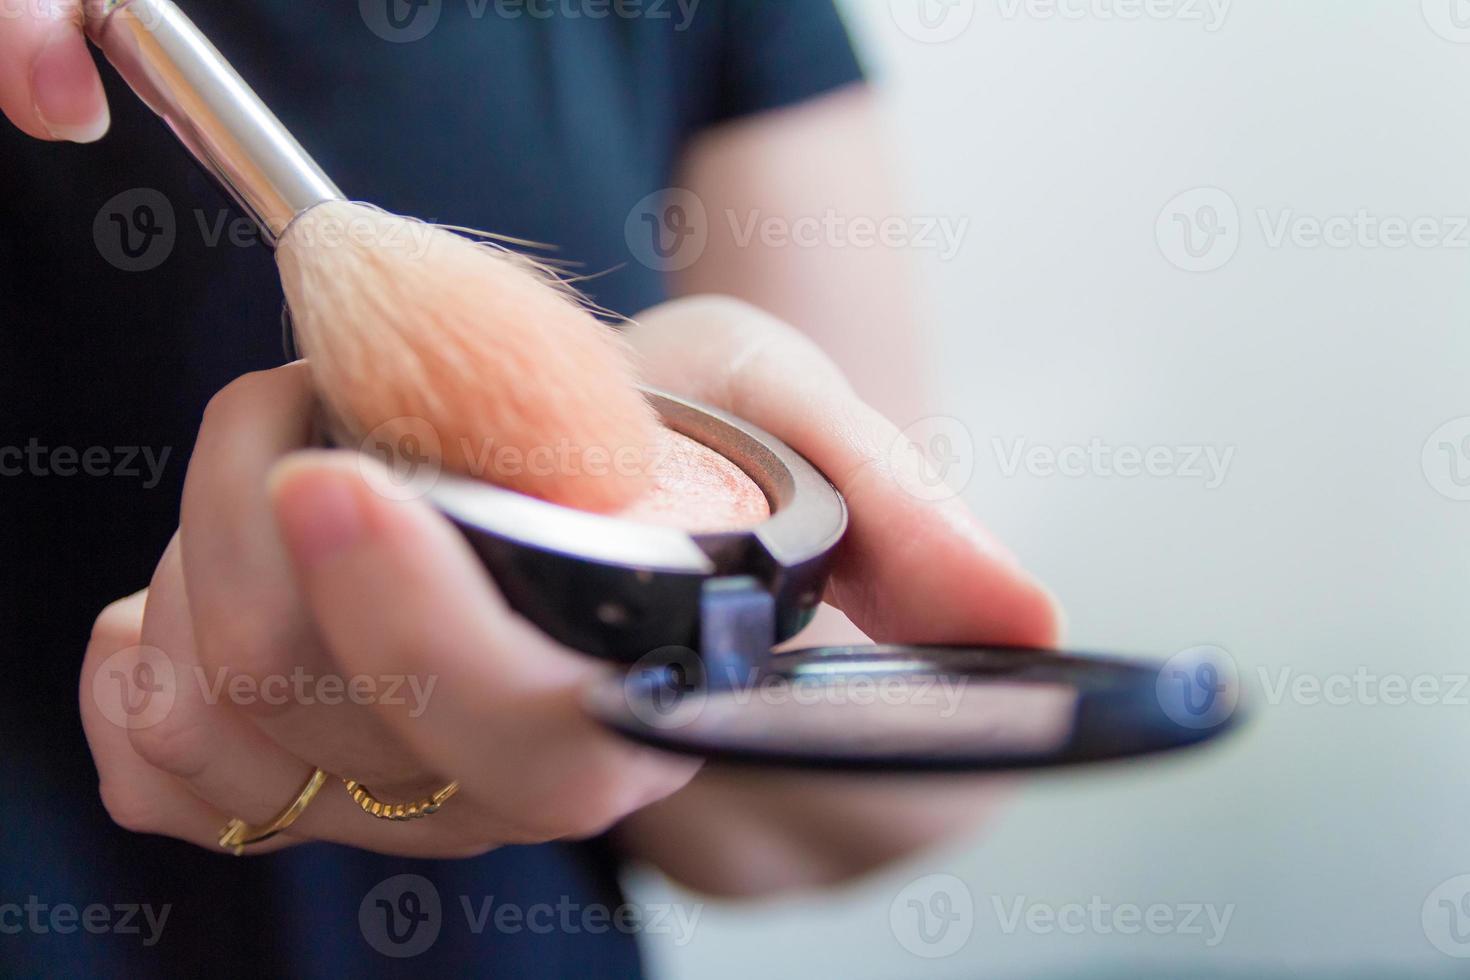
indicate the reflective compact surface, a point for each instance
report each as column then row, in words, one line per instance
column 915, row 708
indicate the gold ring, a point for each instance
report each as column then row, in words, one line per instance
column 364, row 798
column 237, row 834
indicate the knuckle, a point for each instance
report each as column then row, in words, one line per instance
column 254, row 666
column 233, row 399
column 600, row 801
column 243, row 647
column 171, row 747
column 718, row 306
column 120, row 621
column 125, row 809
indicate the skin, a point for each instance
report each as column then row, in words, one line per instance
column 287, row 560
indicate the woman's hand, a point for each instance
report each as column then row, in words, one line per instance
column 292, row 582
column 49, row 86
column 300, row 619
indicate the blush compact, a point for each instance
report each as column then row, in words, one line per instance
column 692, row 611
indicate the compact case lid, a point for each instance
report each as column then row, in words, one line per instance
column 912, row 708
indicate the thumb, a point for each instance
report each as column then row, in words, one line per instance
column 910, row 569
column 49, row 86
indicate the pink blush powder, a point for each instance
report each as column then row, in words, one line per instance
column 697, row 490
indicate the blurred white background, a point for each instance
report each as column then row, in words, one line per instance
column 1333, row 549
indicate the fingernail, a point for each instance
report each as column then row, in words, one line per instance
column 318, row 510
column 68, row 92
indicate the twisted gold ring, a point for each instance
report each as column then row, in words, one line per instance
column 364, row 798
column 237, row 834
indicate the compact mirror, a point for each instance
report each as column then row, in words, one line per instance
column 696, row 617
column 907, row 708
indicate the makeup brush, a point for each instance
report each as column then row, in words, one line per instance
column 408, row 328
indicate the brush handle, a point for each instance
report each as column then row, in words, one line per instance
column 175, row 70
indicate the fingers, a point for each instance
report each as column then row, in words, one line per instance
column 246, row 608
column 247, row 611
column 49, row 86
column 183, row 765
column 118, row 679
column 910, row 569
column 394, row 588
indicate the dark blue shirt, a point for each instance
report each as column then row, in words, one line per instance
column 117, row 324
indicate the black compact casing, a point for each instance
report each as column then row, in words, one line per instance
column 693, row 620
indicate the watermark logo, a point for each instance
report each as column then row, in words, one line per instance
column 668, row 230
column 410, row 453
column 1199, row 230
column 1446, row 459
column 135, row 230
column 933, row 459
column 1446, row 917
column 933, row 916
column 932, row 21
column 1199, row 688
column 401, row 916
column 1450, row 19
column 666, row 688
column 401, row 21
column 135, row 688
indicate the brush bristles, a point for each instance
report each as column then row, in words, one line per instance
column 415, row 332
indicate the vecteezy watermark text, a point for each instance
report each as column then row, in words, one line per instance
column 129, row 462
column 402, row 917
column 304, row 688
column 941, row 234
column 669, row 230
column 1364, row 686
column 136, row 688
column 935, row 916
column 412, row 454
column 1202, row 229
column 138, row 229
column 670, row 688
column 1100, row 917
column 64, row 919
column 1207, row 464
column 405, row 21
column 1209, row 14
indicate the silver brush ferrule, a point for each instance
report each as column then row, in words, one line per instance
column 175, row 70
